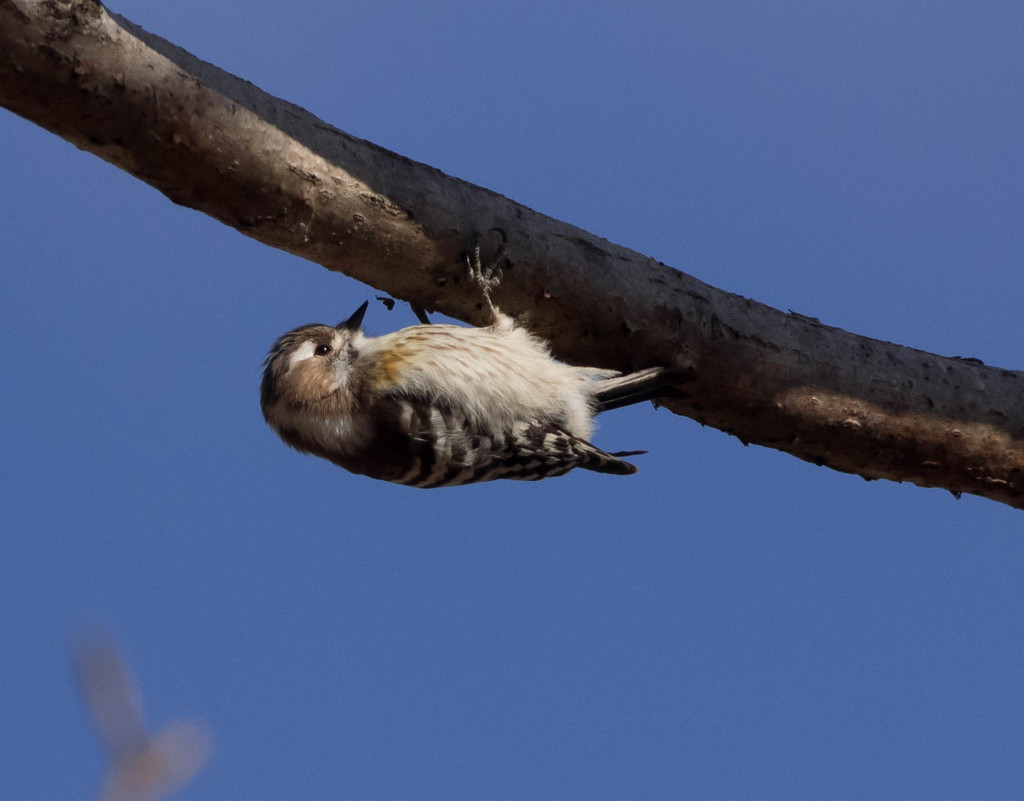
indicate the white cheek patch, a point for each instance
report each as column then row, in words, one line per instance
column 303, row 352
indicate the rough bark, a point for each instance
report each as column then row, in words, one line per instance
column 213, row 142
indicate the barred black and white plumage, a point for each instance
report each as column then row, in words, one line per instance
column 443, row 405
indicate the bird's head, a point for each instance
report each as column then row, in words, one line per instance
column 310, row 366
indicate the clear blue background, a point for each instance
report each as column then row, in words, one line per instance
column 730, row 623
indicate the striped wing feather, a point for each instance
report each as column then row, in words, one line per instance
column 424, row 445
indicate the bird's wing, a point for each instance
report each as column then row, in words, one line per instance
column 424, row 443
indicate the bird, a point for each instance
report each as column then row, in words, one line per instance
column 436, row 405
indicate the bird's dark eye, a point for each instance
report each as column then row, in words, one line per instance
column 321, row 350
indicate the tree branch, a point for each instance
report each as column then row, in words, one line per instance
column 213, row 142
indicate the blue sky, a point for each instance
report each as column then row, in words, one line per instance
column 729, row 623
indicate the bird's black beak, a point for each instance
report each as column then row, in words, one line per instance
column 355, row 321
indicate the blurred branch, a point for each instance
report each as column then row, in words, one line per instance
column 140, row 765
column 213, row 142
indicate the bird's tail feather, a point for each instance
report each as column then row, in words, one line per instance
column 643, row 385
